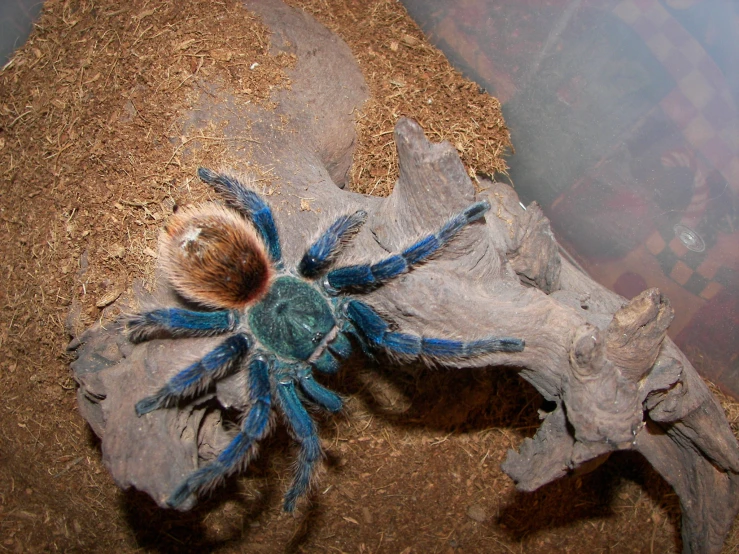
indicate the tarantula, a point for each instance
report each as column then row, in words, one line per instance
column 282, row 323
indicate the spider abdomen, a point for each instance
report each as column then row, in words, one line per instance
column 213, row 256
column 292, row 319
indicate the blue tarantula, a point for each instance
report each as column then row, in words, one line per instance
column 282, row 324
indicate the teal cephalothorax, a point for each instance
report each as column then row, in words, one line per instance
column 292, row 319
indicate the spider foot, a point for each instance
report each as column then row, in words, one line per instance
column 202, row 480
column 310, row 453
column 153, row 402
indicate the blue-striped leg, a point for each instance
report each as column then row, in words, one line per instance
column 366, row 276
column 377, row 331
column 222, row 360
column 304, row 430
column 176, row 322
column 238, row 453
column 322, row 252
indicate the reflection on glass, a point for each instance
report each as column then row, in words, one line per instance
column 624, row 119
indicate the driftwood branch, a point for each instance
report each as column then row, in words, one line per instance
column 615, row 381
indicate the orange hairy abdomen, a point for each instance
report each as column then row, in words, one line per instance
column 214, row 257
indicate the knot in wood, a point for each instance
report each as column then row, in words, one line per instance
column 587, row 355
column 637, row 331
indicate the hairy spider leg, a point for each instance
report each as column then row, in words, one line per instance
column 304, row 430
column 375, row 329
column 176, row 322
column 368, row 276
column 337, row 347
column 239, row 452
column 220, row 361
column 322, row 252
column 326, row 363
column 251, row 205
column 317, row 393
column 341, row 346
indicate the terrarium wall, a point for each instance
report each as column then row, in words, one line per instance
column 624, row 119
